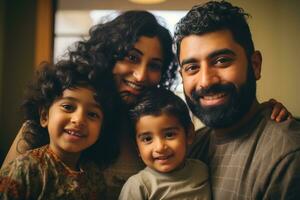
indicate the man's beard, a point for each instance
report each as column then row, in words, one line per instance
column 225, row 115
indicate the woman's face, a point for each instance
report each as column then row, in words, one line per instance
column 140, row 69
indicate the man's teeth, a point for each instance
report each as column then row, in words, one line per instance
column 134, row 86
column 74, row 133
column 215, row 96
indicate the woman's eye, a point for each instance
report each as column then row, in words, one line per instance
column 68, row 107
column 155, row 66
column 133, row 58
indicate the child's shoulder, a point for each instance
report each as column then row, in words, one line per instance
column 30, row 158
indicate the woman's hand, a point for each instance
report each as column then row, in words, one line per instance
column 279, row 112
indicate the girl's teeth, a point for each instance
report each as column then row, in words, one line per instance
column 74, row 133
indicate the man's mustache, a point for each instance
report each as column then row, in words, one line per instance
column 213, row 89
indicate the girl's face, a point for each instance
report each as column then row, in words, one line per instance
column 73, row 121
column 140, row 69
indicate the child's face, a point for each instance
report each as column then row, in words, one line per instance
column 73, row 121
column 162, row 142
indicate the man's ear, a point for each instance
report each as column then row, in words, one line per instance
column 44, row 117
column 256, row 60
column 191, row 134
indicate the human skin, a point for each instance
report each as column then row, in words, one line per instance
column 73, row 122
column 162, row 142
column 140, row 69
column 216, row 58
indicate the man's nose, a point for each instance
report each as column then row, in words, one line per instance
column 208, row 77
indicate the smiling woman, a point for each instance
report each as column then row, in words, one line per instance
column 140, row 69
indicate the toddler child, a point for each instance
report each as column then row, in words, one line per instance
column 163, row 131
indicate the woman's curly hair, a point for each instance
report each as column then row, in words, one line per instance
column 49, row 84
column 114, row 39
column 213, row 16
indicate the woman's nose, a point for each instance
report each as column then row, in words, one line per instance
column 140, row 73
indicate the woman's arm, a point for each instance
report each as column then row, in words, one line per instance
column 19, row 146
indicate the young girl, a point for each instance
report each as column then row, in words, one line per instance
column 68, row 112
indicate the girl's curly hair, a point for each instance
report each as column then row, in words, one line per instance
column 114, row 39
column 49, row 84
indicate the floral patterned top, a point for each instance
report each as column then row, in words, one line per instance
column 40, row 174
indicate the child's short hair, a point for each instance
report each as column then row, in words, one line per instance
column 157, row 101
column 49, row 84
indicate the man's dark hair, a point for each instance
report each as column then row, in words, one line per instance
column 214, row 16
column 114, row 39
column 49, row 84
column 158, row 101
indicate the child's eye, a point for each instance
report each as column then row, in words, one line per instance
column 170, row 135
column 68, row 107
column 146, row 139
column 94, row 115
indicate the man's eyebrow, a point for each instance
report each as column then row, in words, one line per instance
column 211, row 55
column 188, row 60
column 221, row 52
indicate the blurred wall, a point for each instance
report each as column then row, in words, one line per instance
column 275, row 26
column 17, row 35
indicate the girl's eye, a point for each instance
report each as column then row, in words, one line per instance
column 94, row 115
column 68, row 107
column 146, row 139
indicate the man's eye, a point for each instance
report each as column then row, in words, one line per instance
column 68, row 107
column 190, row 68
column 223, row 61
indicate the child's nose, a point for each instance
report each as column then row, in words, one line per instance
column 160, row 146
column 78, row 118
